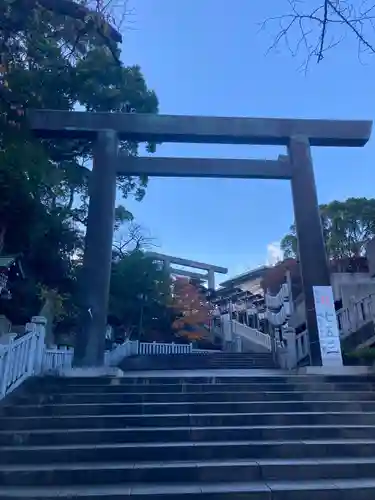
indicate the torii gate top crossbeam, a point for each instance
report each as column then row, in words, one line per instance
column 187, row 262
column 199, row 129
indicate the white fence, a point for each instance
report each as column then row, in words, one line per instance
column 57, row 358
column 302, row 345
column 121, row 351
column 295, row 349
column 252, row 334
column 156, row 348
column 349, row 321
column 28, row 356
column 22, row 358
column 358, row 314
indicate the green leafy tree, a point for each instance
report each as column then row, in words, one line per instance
column 139, row 294
column 347, row 228
column 55, row 54
column 55, row 62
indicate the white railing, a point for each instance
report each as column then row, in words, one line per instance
column 22, row 358
column 238, row 343
column 60, row 358
column 56, row 358
column 302, row 346
column 156, row 348
column 121, row 351
column 295, row 348
column 237, row 335
column 252, row 334
column 356, row 315
column 28, row 355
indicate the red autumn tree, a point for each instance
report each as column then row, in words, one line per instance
column 276, row 276
column 192, row 309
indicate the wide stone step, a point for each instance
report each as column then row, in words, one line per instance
column 187, row 451
column 267, row 359
column 193, row 407
column 204, row 472
column 186, row 420
column 200, row 364
column 127, row 367
column 178, row 434
column 160, row 438
column 277, row 378
column 180, row 397
column 197, row 361
column 121, row 387
column 350, row 489
column 324, row 490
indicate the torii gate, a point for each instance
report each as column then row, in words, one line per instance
column 106, row 129
column 208, row 276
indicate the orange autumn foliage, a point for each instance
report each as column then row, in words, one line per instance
column 193, row 308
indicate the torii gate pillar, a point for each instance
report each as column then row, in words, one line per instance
column 211, row 279
column 97, row 260
column 311, row 249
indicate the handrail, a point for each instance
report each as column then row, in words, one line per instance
column 156, row 348
column 22, row 358
column 252, row 334
column 356, row 315
column 293, row 349
column 56, row 358
column 60, row 358
column 121, row 351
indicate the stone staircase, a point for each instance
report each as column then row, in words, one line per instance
column 234, row 438
column 216, row 360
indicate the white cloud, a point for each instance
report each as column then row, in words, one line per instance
column 274, row 253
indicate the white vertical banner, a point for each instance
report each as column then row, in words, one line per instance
column 329, row 335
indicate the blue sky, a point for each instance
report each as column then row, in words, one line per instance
column 208, row 57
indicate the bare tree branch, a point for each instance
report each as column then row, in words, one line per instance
column 134, row 239
column 320, row 25
column 324, row 31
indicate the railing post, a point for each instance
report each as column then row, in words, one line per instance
column 31, row 328
column 8, row 367
column 40, row 326
column 291, row 348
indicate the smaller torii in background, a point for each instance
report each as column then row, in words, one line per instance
column 208, row 276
